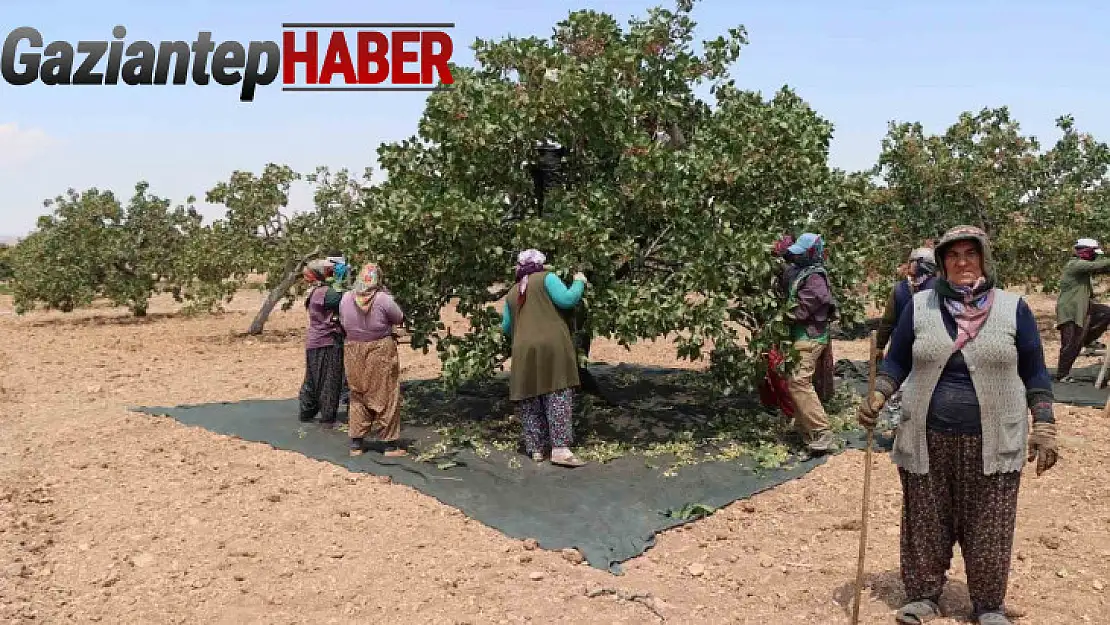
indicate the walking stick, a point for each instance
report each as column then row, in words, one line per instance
column 872, row 353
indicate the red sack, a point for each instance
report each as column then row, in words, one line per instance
column 774, row 392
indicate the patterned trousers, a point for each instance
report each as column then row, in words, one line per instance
column 323, row 381
column 547, row 421
column 956, row 503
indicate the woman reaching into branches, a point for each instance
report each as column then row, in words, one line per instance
column 544, row 370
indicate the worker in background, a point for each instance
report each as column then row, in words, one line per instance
column 921, row 272
column 1079, row 320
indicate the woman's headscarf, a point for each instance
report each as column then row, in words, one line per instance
column 1087, row 249
column 317, row 271
column 528, row 262
column 809, row 249
column 969, row 305
column 923, row 266
column 367, row 285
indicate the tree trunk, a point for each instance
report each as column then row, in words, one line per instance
column 278, row 293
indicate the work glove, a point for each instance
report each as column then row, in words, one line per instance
column 1042, row 446
column 869, row 408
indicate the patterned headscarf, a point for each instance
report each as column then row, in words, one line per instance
column 367, row 285
column 923, row 266
column 528, row 262
column 781, row 245
column 970, row 306
column 317, row 271
column 970, row 311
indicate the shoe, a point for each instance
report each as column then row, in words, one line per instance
column 356, row 447
column 820, row 442
column 569, row 460
column 392, row 450
column 537, row 456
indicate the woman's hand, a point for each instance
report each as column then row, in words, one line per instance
column 1042, row 446
column 869, row 408
column 581, row 277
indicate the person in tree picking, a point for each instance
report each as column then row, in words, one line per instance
column 812, row 307
column 1079, row 320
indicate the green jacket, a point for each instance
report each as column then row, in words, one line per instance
column 1076, row 290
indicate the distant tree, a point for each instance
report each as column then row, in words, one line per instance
column 91, row 246
column 260, row 235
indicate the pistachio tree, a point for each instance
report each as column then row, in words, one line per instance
column 260, row 235
column 594, row 146
column 985, row 171
column 92, row 246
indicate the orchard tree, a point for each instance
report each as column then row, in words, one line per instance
column 1067, row 200
column 260, row 235
column 984, row 171
column 668, row 204
column 91, row 246
column 6, row 262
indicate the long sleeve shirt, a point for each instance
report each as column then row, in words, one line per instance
column 375, row 324
column 812, row 310
column 323, row 326
column 900, row 296
column 561, row 295
column 955, row 406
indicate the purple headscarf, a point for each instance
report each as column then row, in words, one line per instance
column 528, row 262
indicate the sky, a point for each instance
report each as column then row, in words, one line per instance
column 860, row 64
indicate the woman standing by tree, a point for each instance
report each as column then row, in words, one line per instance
column 970, row 357
column 323, row 375
column 373, row 365
column 544, row 370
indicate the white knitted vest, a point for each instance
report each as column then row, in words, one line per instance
column 992, row 362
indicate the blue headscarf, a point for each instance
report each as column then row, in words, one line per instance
column 809, row 249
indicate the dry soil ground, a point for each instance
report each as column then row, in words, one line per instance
column 114, row 517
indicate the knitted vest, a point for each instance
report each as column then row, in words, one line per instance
column 992, row 362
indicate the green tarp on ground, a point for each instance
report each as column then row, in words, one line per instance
column 1080, row 393
column 465, row 455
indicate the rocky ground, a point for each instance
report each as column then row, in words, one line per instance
column 114, row 517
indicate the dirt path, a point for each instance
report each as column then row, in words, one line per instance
column 113, row 517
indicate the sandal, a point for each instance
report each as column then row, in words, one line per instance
column 993, row 618
column 570, row 460
column 917, row 612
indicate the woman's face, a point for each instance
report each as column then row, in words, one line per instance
column 963, row 264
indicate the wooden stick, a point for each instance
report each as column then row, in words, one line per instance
column 872, row 364
column 1102, row 370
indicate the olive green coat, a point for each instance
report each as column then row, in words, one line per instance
column 544, row 359
column 1076, row 290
